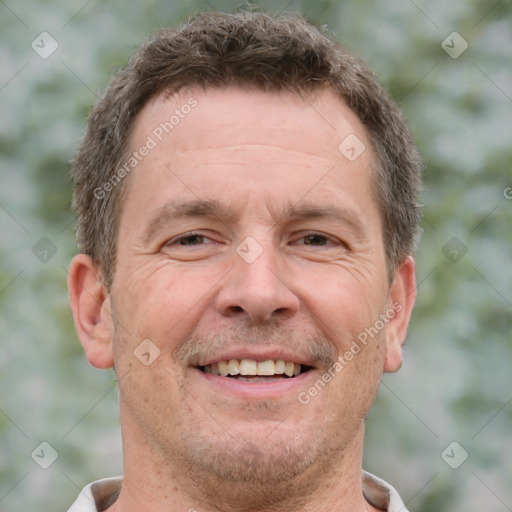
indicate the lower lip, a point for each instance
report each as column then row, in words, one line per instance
column 252, row 390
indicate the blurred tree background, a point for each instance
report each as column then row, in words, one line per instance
column 455, row 385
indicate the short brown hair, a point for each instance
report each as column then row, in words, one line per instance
column 273, row 53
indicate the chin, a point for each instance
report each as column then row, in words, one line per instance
column 257, row 470
column 257, row 454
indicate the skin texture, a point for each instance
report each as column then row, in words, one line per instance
column 191, row 440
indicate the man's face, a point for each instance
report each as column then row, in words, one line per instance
column 246, row 234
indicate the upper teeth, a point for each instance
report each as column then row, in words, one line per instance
column 252, row 367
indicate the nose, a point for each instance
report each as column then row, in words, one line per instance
column 257, row 291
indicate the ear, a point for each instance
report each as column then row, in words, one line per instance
column 401, row 297
column 90, row 303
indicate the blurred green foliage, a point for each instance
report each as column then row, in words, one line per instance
column 455, row 384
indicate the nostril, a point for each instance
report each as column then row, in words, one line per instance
column 236, row 309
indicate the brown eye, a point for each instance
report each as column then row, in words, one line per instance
column 315, row 240
column 192, row 240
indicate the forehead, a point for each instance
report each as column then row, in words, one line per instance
column 320, row 119
column 236, row 143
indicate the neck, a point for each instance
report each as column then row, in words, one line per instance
column 156, row 485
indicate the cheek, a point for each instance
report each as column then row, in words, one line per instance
column 148, row 394
column 163, row 303
column 360, row 369
column 344, row 302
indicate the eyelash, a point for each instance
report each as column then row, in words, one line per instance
column 176, row 241
column 191, row 234
column 314, row 234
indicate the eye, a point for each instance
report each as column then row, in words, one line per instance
column 317, row 240
column 189, row 239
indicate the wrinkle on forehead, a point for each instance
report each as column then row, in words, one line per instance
column 315, row 119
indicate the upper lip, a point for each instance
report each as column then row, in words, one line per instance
column 257, row 354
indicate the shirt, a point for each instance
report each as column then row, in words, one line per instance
column 100, row 495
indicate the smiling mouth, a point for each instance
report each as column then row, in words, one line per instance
column 250, row 370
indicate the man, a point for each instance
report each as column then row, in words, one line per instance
column 246, row 201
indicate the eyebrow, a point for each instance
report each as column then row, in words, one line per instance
column 173, row 211
column 303, row 210
column 200, row 208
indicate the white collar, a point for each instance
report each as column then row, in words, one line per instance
column 103, row 493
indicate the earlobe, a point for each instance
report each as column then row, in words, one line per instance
column 90, row 304
column 402, row 297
